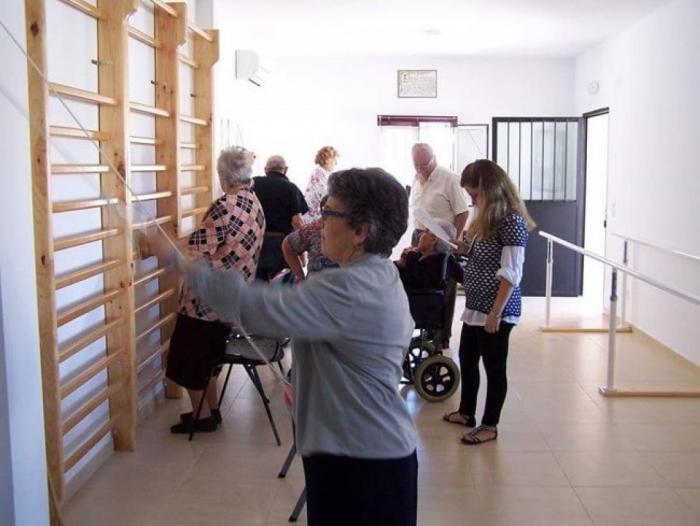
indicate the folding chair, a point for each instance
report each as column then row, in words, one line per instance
column 301, row 501
column 239, row 352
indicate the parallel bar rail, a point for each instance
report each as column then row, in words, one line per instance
column 610, row 389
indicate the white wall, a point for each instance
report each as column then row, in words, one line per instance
column 308, row 103
column 649, row 76
column 23, row 494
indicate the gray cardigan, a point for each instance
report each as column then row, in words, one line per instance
column 350, row 329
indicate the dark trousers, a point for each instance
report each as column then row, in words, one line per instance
column 493, row 349
column 352, row 491
column 271, row 259
column 442, row 336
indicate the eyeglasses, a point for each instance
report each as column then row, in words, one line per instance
column 327, row 212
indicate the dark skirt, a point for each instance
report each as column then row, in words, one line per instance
column 194, row 346
column 351, row 491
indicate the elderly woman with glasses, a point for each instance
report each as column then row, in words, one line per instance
column 350, row 329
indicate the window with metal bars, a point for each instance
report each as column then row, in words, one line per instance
column 539, row 154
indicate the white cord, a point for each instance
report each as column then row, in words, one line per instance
column 143, row 209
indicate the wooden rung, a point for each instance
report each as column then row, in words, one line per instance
column 85, row 448
column 151, row 381
column 192, row 168
column 148, row 167
column 151, row 276
column 81, row 94
column 165, row 7
column 200, row 32
column 77, row 133
column 188, row 145
column 155, row 354
column 154, row 301
column 152, row 222
column 84, row 376
column 187, row 60
column 87, row 408
column 145, row 140
column 62, row 243
column 86, row 306
column 154, row 195
column 69, row 278
column 70, row 206
column 195, row 211
column 84, row 7
column 160, row 323
column 194, row 190
column 194, row 120
column 150, row 110
column 79, row 168
column 144, row 38
column 68, row 349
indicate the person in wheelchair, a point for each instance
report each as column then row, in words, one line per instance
column 421, row 267
column 426, row 271
column 430, row 265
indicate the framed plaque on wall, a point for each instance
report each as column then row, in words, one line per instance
column 417, row 83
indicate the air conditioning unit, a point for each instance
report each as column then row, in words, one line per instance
column 249, row 67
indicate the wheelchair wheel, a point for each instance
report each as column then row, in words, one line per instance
column 436, row 378
column 416, row 355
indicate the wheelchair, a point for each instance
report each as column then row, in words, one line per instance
column 435, row 376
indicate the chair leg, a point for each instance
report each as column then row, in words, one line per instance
column 223, row 390
column 279, row 364
column 195, row 417
column 288, row 461
column 255, row 378
column 298, row 506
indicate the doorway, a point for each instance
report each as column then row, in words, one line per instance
column 596, row 177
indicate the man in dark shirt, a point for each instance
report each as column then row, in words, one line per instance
column 283, row 204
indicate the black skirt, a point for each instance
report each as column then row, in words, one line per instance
column 194, row 346
column 351, row 491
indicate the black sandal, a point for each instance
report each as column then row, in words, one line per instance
column 468, row 421
column 472, row 439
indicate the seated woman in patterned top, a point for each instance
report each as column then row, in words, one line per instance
column 229, row 240
column 306, row 239
column 495, row 258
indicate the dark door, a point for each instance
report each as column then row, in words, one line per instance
column 542, row 156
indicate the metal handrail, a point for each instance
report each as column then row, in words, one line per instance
column 673, row 251
column 609, row 389
column 651, row 281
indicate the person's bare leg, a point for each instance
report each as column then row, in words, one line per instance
column 195, row 397
column 212, row 395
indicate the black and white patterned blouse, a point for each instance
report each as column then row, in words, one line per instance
column 481, row 274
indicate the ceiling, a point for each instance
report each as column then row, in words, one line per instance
column 554, row 28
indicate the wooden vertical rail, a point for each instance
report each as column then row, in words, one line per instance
column 43, row 245
column 172, row 32
column 113, row 75
column 206, row 53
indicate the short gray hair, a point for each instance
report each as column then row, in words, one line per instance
column 275, row 163
column 442, row 247
column 235, row 165
column 423, row 147
column 374, row 197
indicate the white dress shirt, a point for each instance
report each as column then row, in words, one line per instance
column 440, row 196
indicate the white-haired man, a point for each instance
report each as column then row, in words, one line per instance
column 436, row 190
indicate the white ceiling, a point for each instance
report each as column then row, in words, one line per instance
column 561, row 28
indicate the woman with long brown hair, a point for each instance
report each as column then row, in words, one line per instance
column 495, row 255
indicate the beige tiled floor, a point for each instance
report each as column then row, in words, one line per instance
column 565, row 455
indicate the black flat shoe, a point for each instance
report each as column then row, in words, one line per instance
column 216, row 413
column 203, row 425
